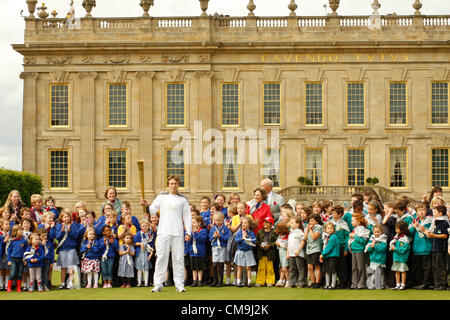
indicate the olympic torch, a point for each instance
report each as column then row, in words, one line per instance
column 140, row 164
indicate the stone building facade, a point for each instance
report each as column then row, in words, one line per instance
column 346, row 98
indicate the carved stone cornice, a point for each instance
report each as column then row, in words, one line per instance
column 87, row 74
column 26, row 75
column 166, row 58
column 201, row 73
column 117, row 76
column 59, row 76
column 59, row 60
column 120, row 59
column 29, row 60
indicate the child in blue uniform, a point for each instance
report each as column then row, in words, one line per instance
column 90, row 250
column 330, row 255
column 421, row 247
column 145, row 247
column 34, row 257
column 400, row 245
column 218, row 237
column 244, row 257
column 49, row 257
column 67, row 233
column 376, row 248
column 5, row 228
column 126, row 262
column 197, row 250
column 109, row 249
column 15, row 248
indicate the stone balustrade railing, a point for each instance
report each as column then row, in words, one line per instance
column 263, row 23
column 335, row 193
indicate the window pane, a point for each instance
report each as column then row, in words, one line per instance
column 314, row 103
column 59, row 169
column 355, row 103
column 59, row 102
column 314, row 166
column 175, row 164
column 117, row 104
column 439, row 165
column 175, row 104
column 355, row 167
column 397, row 103
column 117, row 168
column 439, row 103
column 398, row 168
column 230, row 104
column 272, row 103
column 271, row 166
column 230, row 169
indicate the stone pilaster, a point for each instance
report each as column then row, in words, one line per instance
column 146, row 126
column 87, row 133
column 205, row 112
column 29, row 121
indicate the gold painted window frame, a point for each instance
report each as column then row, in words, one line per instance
column 50, row 181
column 406, row 187
column 315, row 171
column 238, row 106
column 166, row 111
column 389, row 102
column 235, row 167
column 69, row 105
column 305, row 113
column 431, row 104
column 166, row 169
column 127, row 105
column 108, row 181
column 347, row 166
column 432, row 168
column 347, row 104
column 263, row 109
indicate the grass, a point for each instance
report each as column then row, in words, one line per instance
column 224, row 293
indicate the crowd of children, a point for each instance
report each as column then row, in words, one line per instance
column 371, row 245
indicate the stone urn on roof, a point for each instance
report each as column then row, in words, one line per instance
column 88, row 5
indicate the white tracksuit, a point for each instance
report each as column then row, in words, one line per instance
column 174, row 212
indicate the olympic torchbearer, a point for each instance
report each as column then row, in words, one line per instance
column 175, row 217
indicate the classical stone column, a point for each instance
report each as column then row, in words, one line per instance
column 145, row 125
column 87, row 134
column 29, row 155
column 204, row 107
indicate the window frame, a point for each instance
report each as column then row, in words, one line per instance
column 108, row 181
column 448, row 167
column 50, row 169
column 407, row 108
column 127, row 105
column 69, row 106
column 431, row 104
column 166, row 169
column 364, row 124
column 364, row 166
column 238, row 106
column 235, row 167
column 166, row 113
column 406, row 187
column 322, row 163
column 263, row 109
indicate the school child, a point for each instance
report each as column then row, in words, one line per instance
column 15, row 248
column 90, row 259
column 50, row 205
column 197, row 251
column 205, row 203
column 126, row 226
column 389, row 221
column 126, row 210
column 67, row 235
column 232, row 212
column 421, row 246
column 246, row 241
column 400, row 245
column 327, row 210
column 36, row 207
column 49, row 257
column 34, row 258
column 298, row 208
column 109, row 250
column 154, row 220
column 330, row 255
column 126, row 263
column 220, row 199
column 342, row 232
column 218, row 237
column 374, row 214
column 187, row 263
column 265, row 242
column 314, row 244
column 357, row 208
column 282, row 229
column 145, row 247
column 296, row 254
column 438, row 232
column 400, row 209
column 305, row 214
column 357, row 242
column 376, row 248
column 5, row 228
column 286, row 214
column 28, row 227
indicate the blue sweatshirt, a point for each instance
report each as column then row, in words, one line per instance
column 94, row 252
column 113, row 248
column 200, row 237
column 72, row 237
column 17, row 248
column 224, row 236
column 39, row 254
column 332, row 248
column 138, row 239
column 241, row 243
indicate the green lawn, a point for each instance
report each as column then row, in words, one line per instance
column 225, row 293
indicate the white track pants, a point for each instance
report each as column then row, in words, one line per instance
column 165, row 245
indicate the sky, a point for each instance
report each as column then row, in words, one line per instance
column 12, row 29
